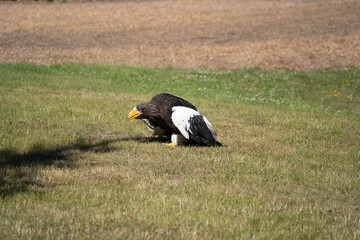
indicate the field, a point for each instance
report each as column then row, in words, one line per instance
column 73, row 165
column 297, row 34
column 283, row 98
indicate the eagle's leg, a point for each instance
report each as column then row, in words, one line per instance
column 177, row 139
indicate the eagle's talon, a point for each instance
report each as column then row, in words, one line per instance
column 170, row 144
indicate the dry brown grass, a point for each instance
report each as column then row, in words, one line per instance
column 301, row 35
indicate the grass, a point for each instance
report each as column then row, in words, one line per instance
column 73, row 166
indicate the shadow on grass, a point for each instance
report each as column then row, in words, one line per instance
column 18, row 171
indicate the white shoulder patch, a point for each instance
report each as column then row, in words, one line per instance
column 181, row 119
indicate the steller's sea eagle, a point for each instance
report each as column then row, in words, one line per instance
column 177, row 119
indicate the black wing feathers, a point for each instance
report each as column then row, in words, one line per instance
column 200, row 133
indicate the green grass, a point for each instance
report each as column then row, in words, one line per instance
column 73, row 166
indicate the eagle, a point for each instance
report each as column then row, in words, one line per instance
column 176, row 118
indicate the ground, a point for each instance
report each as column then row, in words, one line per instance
column 298, row 34
column 72, row 165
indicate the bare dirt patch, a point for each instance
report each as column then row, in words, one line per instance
column 301, row 35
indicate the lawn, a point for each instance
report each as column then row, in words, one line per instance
column 72, row 166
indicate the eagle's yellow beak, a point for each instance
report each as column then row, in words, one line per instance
column 133, row 114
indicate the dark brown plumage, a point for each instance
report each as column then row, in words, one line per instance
column 158, row 111
column 158, row 115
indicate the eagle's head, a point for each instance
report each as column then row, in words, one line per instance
column 139, row 112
